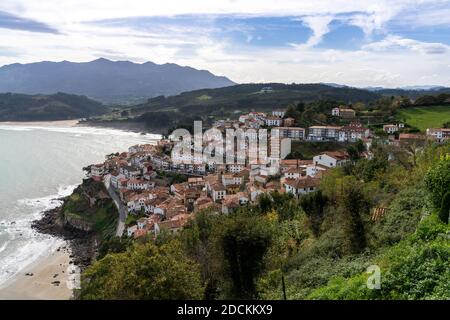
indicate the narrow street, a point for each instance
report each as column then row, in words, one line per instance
column 120, row 207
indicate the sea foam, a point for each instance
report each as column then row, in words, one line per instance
column 33, row 244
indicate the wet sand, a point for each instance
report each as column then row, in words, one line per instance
column 51, row 267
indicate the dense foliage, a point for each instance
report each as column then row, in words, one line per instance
column 438, row 183
column 144, row 271
column 59, row 106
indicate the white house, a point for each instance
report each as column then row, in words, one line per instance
column 161, row 162
column 278, row 113
column 130, row 171
column 390, row 128
column 331, row 159
column 439, row 134
column 138, row 158
column 343, row 113
column 142, row 223
column 353, row 132
column 231, row 179
column 218, row 191
column 294, row 133
column 243, row 118
column 161, row 208
column 301, row 185
column 293, row 173
column 235, row 167
column 274, row 121
column 312, row 170
column 114, row 179
column 97, row 171
column 131, row 230
column 320, row 133
column 254, row 192
column 136, row 184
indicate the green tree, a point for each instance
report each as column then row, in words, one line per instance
column 245, row 241
column 360, row 146
column 445, row 208
column 354, row 205
column 264, row 203
column 114, row 245
column 143, row 272
column 314, row 204
column 353, row 153
column 437, row 181
column 200, row 241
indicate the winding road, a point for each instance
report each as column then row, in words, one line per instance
column 120, row 207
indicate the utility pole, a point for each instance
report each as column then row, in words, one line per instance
column 284, row 287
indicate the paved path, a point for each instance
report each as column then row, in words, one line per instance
column 120, row 207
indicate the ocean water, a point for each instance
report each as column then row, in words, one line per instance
column 39, row 164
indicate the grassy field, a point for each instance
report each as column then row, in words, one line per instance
column 425, row 117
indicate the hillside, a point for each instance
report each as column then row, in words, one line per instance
column 251, row 96
column 105, row 80
column 165, row 112
column 374, row 217
column 412, row 93
column 59, row 106
column 161, row 113
column 425, row 117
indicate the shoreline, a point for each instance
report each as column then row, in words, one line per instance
column 47, row 278
column 56, row 123
column 53, row 275
column 115, row 125
column 78, row 250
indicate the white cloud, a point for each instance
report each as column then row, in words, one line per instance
column 385, row 62
column 392, row 42
column 319, row 26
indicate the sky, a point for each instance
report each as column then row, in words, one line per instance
column 390, row 43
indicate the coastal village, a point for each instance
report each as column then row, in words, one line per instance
column 150, row 200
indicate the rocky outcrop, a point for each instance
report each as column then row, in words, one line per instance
column 77, row 223
column 82, row 243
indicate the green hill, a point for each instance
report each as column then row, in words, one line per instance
column 208, row 104
column 59, row 106
column 425, row 117
column 251, row 96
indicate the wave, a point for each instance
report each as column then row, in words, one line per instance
column 14, row 128
column 24, row 245
column 81, row 131
column 3, row 247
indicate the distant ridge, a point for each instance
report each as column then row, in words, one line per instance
column 105, row 80
column 59, row 106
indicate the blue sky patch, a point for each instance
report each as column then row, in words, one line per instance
column 263, row 31
column 342, row 36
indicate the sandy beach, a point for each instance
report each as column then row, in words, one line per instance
column 39, row 281
column 61, row 123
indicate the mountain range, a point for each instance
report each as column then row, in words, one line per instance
column 107, row 81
